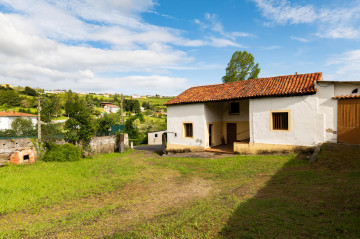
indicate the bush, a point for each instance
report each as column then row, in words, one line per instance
column 62, row 153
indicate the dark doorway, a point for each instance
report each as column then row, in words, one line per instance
column 210, row 134
column 26, row 158
column 231, row 132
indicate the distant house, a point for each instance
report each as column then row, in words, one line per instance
column 6, row 118
column 107, row 95
column 155, row 137
column 105, row 103
column 135, row 96
column 109, row 108
column 265, row 114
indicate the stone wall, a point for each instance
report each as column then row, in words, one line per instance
column 107, row 144
column 103, row 144
column 9, row 146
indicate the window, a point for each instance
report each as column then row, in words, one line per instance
column 355, row 91
column 280, row 120
column 188, row 130
column 234, row 108
column 156, row 135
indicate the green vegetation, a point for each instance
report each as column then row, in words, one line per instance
column 62, row 153
column 141, row 195
column 241, row 67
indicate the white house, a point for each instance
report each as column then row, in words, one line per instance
column 274, row 113
column 6, row 118
column 109, row 108
column 155, row 137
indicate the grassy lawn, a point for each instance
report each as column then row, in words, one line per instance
column 142, row 195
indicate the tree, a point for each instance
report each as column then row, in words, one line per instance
column 30, row 91
column 80, row 127
column 241, row 67
column 23, row 126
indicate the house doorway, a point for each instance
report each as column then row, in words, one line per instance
column 231, row 132
column 210, row 134
column 349, row 121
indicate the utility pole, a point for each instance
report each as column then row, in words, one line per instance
column 39, row 119
column 121, row 109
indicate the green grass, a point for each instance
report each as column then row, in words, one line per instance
column 137, row 195
column 48, row 183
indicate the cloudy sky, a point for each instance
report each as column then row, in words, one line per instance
column 164, row 47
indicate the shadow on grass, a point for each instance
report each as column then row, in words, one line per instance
column 320, row 200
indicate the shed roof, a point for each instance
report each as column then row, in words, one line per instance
column 288, row 85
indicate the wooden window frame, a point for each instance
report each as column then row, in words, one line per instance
column 234, row 113
column 184, row 129
column 288, row 120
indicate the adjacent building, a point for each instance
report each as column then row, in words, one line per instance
column 6, row 118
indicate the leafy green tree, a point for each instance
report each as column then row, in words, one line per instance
column 50, row 108
column 104, row 123
column 131, row 129
column 25, row 103
column 30, row 91
column 9, row 97
column 23, row 126
column 80, row 127
column 241, row 67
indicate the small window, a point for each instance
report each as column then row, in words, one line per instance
column 280, row 121
column 188, row 129
column 355, row 91
column 156, row 135
column 234, row 108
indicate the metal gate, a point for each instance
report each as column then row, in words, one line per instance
column 349, row 121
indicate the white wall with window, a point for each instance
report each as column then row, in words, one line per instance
column 186, row 125
column 286, row 120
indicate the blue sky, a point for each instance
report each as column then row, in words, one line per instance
column 165, row 47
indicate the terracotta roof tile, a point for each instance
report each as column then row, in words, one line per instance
column 300, row 84
column 347, row 97
column 15, row 114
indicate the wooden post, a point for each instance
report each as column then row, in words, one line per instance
column 121, row 110
column 39, row 118
column 121, row 146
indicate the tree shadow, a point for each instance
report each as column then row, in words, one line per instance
column 319, row 200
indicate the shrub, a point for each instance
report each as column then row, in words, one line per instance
column 62, row 153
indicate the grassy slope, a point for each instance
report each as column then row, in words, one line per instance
column 136, row 196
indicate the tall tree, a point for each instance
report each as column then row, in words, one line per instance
column 241, row 67
column 80, row 127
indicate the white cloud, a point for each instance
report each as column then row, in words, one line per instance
column 219, row 37
column 347, row 66
column 299, row 39
column 270, row 47
column 331, row 23
column 53, row 45
column 283, row 12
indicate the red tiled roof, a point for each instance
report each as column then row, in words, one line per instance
column 15, row 114
column 300, row 84
column 347, row 97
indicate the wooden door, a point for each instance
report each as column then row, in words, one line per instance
column 231, row 132
column 349, row 121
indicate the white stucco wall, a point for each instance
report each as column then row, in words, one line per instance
column 306, row 124
column 345, row 88
column 155, row 138
column 179, row 114
column 5, row 122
